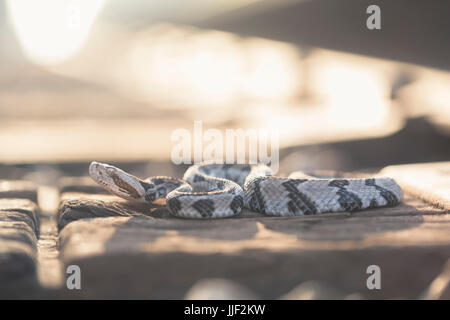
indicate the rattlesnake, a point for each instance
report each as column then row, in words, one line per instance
column 210, row 190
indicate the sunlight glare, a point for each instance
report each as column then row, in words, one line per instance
column 52, row 31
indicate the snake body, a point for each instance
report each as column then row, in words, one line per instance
column 210, row 190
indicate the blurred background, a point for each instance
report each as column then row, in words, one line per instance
column 111, row 80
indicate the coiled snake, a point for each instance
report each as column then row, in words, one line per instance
column 211, row 190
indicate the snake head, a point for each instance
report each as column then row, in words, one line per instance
column 117, row 181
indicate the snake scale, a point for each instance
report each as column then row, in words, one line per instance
column 210, row 190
